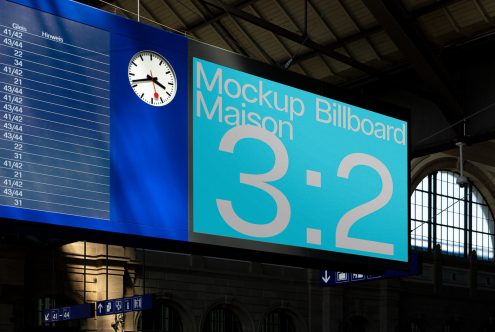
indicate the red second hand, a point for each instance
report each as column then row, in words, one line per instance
column 154, row 88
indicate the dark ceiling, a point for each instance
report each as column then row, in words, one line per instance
column 434, row 57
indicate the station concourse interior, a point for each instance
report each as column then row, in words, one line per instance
column 434, row 58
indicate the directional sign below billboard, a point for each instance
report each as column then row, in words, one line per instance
column 126, row 304
column 334, row 278
column 78, row 311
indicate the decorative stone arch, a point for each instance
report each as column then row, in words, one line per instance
column 175, row 302
column 476, row 175
column 230, row 303
column 300, row 324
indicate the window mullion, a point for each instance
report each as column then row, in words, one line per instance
column 467, row 228
column 432, row 239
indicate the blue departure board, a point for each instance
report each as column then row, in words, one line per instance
column 79, row 147
column 55, row 114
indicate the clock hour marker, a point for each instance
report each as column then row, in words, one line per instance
column 131, row 74
column 161, row 99
column 134, row 63
column 160, row 63
column 134, row 85
column 168, row 93
column 151, row 100
column 170, row 83
column 141, row 58
column 151, row 56
column 168, row 72
column 142, row 95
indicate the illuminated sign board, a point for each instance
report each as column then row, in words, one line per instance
column 111, row 125
column 276, row 164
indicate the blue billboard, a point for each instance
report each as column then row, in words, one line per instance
column 281, row 165
column 111, row 125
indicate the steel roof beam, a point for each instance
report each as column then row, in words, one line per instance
column 214, row 18
column 341, row 42
column 217, row 27
column 303, row 40
column 432, row 7
column 415, row 48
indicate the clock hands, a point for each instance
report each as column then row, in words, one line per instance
column 150, row 78
column 153, row 81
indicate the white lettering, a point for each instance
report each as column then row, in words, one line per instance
column 323, row 111
column 200, row 73
column 201, row 104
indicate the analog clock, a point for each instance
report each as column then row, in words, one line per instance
column 152, row 78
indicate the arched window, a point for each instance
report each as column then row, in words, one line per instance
column 163, row 318
column 458, row 219
column 222, row 319
column 278, row 321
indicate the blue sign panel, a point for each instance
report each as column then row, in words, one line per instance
column 119, row 306
column 126, row 304
column 280, row 165
column 93, row 120
column 78, row 311
column 94, row 133
column 332, row 278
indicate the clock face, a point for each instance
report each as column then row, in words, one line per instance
column 152, row 78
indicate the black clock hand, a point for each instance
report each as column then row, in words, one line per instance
column 142, row 80
column 159, row 84
column 155, row 80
